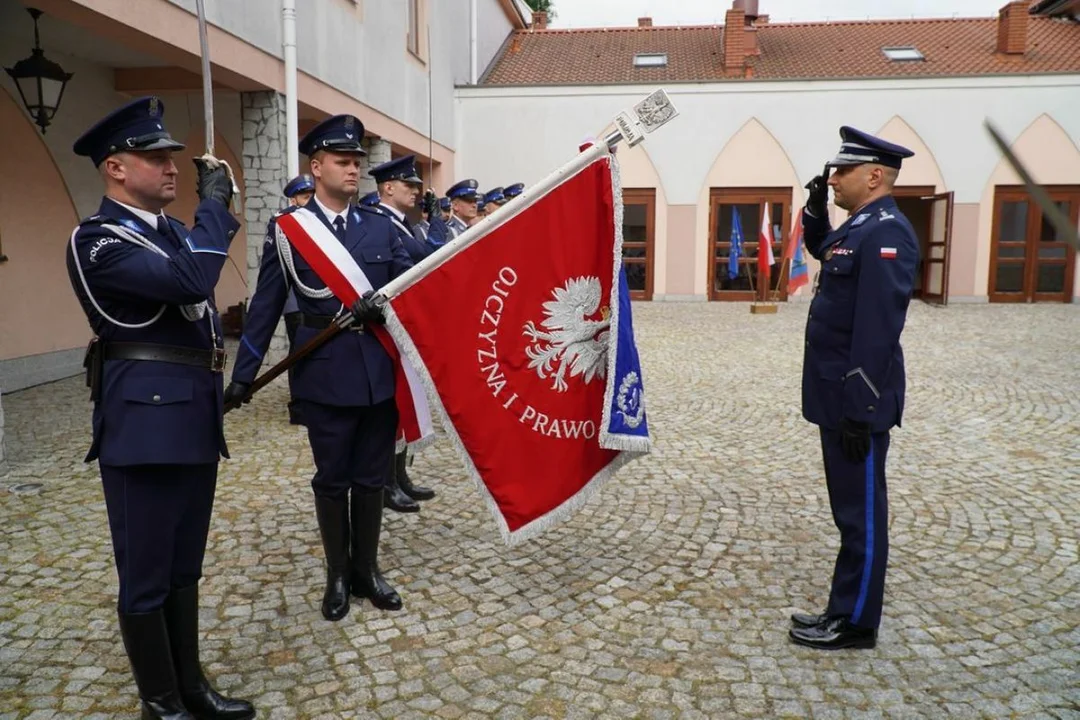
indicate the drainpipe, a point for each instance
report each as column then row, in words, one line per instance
column 472, row 42
column 288, row 24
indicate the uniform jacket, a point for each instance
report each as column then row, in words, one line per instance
column 853, row 364
column 351, row 370
column 418, row 246
column 455, row 227
column 154, row 412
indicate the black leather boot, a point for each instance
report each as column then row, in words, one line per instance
column 367, row 581
column 401, row 473
column 146, row 640
column 333, row 518
column 394, row 498
column 200, row 698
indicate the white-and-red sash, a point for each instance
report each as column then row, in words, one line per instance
column 322, row 250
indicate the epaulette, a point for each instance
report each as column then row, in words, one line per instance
column 284, row 211
column 373, row 209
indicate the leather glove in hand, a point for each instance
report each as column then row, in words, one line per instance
column 366, row 311
column 429, row 203
column 236, row 393
column 855, row 439
column 817, row 202
column 215, row 181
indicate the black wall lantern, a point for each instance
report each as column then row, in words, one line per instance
column 41, row 82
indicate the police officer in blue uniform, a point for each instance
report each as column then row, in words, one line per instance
column 444, row 210
column 298, row 191
column 463, row 206
column 346, row 387
column 399, row 186
column 512, row 191
column 398, row 190
column 493, row 200
column 146, row 283
column 853, row 372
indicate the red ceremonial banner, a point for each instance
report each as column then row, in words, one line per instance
column 513, row 333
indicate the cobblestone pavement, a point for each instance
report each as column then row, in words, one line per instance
column 666, row 597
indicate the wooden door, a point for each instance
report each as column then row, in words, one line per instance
column 747, row 282
column 1028, row 261
column 639, row 234
column 935, row 280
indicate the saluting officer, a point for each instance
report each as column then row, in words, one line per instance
column 853, row 372
column 146, row 284
column 346, row 387
column 298, row 191
column 399, row 187
column 463, row 196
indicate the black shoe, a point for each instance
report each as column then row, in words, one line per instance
column 146, row 640
column 401, row 474
column 200, row 698
column 333, row 516
column 367, row 581
column 395, row 499
column 836, row 634
column 805, row 620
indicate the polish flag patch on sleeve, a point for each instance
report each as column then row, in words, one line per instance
column 889, row 253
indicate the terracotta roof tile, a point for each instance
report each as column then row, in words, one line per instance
column 952, row 47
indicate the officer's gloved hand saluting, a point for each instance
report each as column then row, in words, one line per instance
column 430, row 202
column 366, row 311
column 817, row 202
column 215, row 181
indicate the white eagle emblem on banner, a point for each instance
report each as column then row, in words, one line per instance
column 571, row 340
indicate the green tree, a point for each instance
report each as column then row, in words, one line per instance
column 547, row 6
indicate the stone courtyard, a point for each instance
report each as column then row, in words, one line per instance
column 666, row 596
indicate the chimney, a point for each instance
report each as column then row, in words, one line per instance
column 539, row 20
column 1012, row 28
column 734, row 41
column 644, row 22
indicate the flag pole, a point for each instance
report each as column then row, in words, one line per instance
column 631, row 126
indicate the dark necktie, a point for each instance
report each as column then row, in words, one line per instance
column 165, row 229
column 339, row 228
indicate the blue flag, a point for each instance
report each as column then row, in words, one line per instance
column 625, row 424
column 736, row 244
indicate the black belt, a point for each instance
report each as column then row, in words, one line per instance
column 214, row 360
column 321, row 322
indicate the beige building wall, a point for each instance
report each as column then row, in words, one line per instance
column 38, row 309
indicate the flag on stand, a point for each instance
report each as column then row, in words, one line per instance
column 531, row 360
column 736, row 243
column 765, row 243
column 799, row 273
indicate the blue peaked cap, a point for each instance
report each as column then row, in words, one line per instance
column 494, row 196
column 402, row 168
column 299, row 184
column 512, row 191
column 371, row 199
column 463, row 189
column 338, row 133
column 134, row 127
column 444, row 204
column 857, row 147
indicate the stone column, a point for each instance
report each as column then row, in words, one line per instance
column 265, row 175
column 378, row 152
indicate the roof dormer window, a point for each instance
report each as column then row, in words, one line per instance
column 903, row 54
column 650, row 60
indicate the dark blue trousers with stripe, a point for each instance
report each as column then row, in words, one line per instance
column 159, row 518
column 860, row 508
